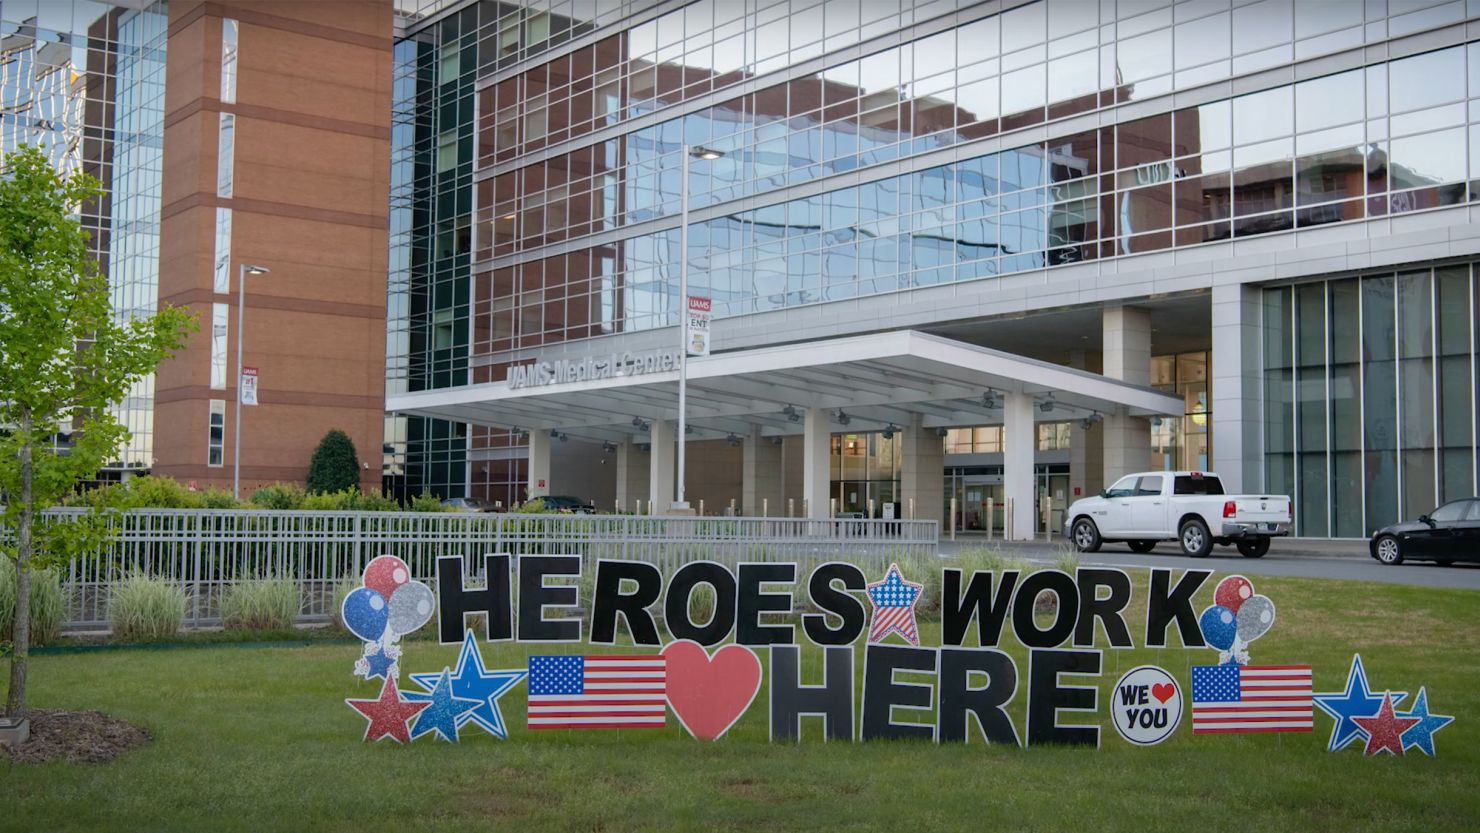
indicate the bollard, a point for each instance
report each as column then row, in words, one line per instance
column 832, row 507
column 639, row 506
column 732, row 507
column 912, row 509
column 765, row 507
column 953, row 519
column 791, row 507
column 871, row 508
column 806, row 508
column 987, row 510
column 1007, row 525
column 1048, row 517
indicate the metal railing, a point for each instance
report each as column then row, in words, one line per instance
column 205, row 551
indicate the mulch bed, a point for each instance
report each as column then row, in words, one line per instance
column 76, row 737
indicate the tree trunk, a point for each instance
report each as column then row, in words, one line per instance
column 15, row 700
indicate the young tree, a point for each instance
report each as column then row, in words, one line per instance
column 334, row 466
column 65, row 358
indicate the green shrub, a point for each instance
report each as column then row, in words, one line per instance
column 219, row 499
column 334, row 466
column 532, row 507
column 141, row 607
column 147, row 492
column 263, row 604
column 331, row 501
column 377, row 502
column 48, row 608
column 426, row 502
column 701, row 603
column 1067, row 559
column 279, row 496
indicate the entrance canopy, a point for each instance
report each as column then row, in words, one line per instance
column 869, row 382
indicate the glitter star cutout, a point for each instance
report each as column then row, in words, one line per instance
column 894, row 607
column 377, row 663
column 1385, row 730
column 442, row 710
column 1356, row 700
column 1421, row 734
column 472, row 681
column 388, row 714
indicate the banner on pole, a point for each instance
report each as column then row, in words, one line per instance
column 249, row 385
column 698, row 325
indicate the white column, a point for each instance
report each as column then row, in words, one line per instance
column 632, row 475
column 1019, row 440
column 1127, row 357
column 1237, row 427
column 922, row 467
column 660, row 466
column 816, row 453
column 539, row 463
column 761, row 475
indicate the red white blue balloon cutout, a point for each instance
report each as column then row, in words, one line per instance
column 1237, row 617
column 385, row 608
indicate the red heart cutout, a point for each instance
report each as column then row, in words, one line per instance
column 709, row 693
column 1163, row 691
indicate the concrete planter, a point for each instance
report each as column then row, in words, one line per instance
column 14, row 731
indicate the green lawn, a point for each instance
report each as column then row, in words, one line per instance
column 259, row 738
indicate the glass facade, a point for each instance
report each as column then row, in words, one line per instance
column 1370, row 387
column 84, row 81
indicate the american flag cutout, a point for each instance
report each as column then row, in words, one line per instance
column 1251, row 698
column 601, row 692
column 894, row 600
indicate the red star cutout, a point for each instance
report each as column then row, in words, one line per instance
column 388, row 714
column 1385, row 730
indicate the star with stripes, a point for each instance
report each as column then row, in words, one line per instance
column 472, row 680
column 1357, row 700
column 894, row 601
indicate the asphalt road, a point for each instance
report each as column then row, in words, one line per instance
column 1291, row 557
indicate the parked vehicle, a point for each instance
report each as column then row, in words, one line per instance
column 567, row 505
column 1184, row 506
column 1447, row 534
column 470, row 504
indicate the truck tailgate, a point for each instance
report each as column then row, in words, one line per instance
column 1261, row 509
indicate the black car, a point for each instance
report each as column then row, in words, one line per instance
column 1449, row 533
column 567, row 505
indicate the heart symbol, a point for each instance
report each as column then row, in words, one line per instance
column 1163, row 691
column 709, row 693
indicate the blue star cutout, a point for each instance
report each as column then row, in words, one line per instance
column 471, row 680
column 1421, row 734
column 380, row 665
column 442, row 715
column 1356, row 701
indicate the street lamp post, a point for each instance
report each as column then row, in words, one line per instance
column 689, row 152
column 242, row 271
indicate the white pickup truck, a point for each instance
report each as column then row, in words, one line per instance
column 1186, row 506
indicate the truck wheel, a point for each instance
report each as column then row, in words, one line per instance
column 1086, row 536
column 1389, row 551
column 1196, row 542
column 1140, row 546
column 1254, row 547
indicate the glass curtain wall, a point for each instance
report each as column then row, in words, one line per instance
column 865, row 467
column 1370, row 396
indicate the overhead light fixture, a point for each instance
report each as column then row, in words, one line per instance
column 792, row 413
column 641, row 424
column 941, row 432
column 645, row 447
column 255, row 270
column 554, row 434
column 842, row 417
column 777, row 440
column 888, row 432
column 689, row 428
column 989, row 400
column 1046, row 406
column 701, row 152
column 1156, row 422
column 563, row 438
column 733, row 438
column 608, row 446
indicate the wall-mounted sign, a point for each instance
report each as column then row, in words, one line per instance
column 697, row 337
column 590, row 368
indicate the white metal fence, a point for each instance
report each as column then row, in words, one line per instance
column 206, row 550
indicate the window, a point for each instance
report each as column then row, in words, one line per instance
column 1474, row 511
column 216, row 438
column 447, row 151
column 221, row 279
column 1450, row 512
column 228, row 60
column 225, row 155
column 451, row 63
column 1149, row 486
column 220, row 321
column 1188, row 485
column 1124, row 487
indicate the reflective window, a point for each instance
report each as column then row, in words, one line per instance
column 216, row 433
column 220, row 323
column 228, row 60
column 221, row 270
column 225, row 155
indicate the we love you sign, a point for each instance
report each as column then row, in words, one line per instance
column 708, row 673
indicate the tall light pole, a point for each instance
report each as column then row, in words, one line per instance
column 689, row 152
column 242, row 271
